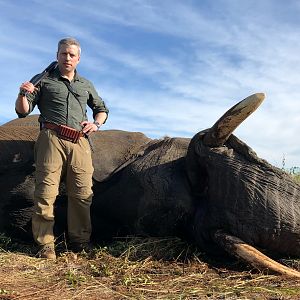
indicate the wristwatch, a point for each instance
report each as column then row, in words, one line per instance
column 97, row 124
column 23, row 93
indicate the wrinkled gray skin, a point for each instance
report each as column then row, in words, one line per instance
column 171, row 186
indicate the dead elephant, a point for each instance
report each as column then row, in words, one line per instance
column 212, row 188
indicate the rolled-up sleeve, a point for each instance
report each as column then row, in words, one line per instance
column 96, row 103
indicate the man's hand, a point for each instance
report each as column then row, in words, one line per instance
column 27, row 87
column 88, row 127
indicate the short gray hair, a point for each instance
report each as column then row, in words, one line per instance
column 69, row 41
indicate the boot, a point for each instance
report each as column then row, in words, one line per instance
column 81, row 247
column 47, row 251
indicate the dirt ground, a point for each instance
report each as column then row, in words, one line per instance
column 137, row 269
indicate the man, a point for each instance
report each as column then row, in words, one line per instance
column 62, row 148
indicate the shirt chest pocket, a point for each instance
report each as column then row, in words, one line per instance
column 54, row 92
column 82, row 95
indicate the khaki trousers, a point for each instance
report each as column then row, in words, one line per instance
column 55, row 157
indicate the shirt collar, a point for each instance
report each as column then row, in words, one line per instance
column 56, row 73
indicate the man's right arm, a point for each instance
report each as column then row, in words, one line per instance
column 22, row 105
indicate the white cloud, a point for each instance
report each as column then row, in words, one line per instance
column 170, row 67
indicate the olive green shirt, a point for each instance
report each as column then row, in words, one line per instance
column 59, row 106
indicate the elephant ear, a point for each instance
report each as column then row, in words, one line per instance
column 17, row 139
column 113, row 150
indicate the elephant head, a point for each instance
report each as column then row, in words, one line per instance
column 238, row 193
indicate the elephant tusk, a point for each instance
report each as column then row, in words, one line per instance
column 240, row 249
column 223, row 128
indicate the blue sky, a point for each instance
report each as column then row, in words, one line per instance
column 169, row 67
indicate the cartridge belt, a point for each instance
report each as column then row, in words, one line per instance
column 64, row 132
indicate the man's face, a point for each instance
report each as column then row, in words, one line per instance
column 68, row 58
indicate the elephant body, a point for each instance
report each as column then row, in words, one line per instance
column 140, row 184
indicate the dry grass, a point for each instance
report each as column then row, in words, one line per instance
column 297, row 177
column 136, row 269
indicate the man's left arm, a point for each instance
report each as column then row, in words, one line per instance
column 100, row 112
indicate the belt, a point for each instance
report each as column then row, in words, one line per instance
column 50, row 126
column 64, row 131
